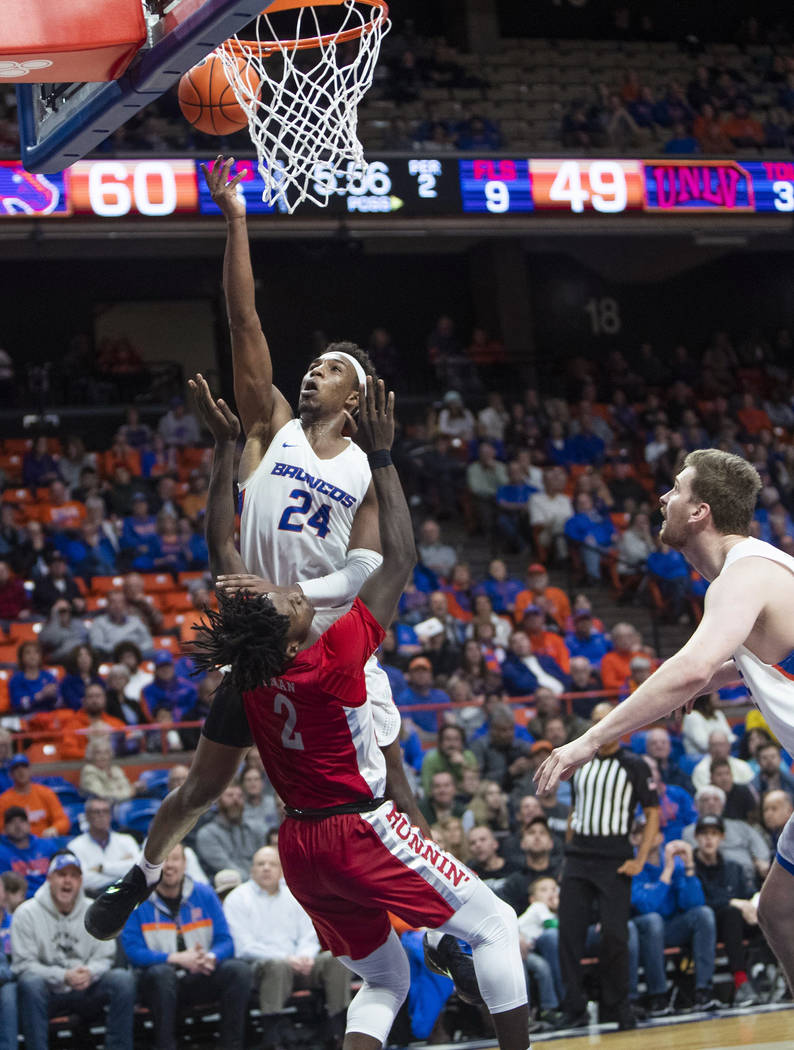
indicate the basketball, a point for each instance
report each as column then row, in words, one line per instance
column 207, row 99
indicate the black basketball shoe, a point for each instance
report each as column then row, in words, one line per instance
column 450, row 960
column 108, row 914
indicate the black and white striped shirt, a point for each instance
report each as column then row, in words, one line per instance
column 605, row 795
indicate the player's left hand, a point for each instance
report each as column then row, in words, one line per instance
column 375, row 416
column 219, row 419
column 246, row 581
column 562, row 763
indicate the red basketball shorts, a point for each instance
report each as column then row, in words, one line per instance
column 347, row 871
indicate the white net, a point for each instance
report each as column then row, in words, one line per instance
column 303, row 119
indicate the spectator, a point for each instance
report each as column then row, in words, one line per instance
column 135, row 433
column 772, row 775
column 14, row 602
column 118, row 624
column 31, row 688
column 616, row 665
column 659, row 747
column 488, row 808
column 742, row 842
column 484, row 614
column 776, row 810
column 548, row 512
column 62, row 633
column 45, row 813
column 593, row 533
column 439, row 557
column 60, row 968
column 9, row 1023
column 670, row 572
column 6, row 754
column 272, row 932
column 90, row 553
column 523, row 671
column 627, row 494
column 81, row 671
column 16, row 890
column 543, row 642
column 744, row 131
column 585, row 640
column 38, row 466
column 710, row 132
column 454, row 630
column 741, row 801
column 441, row 801
column 58, row 584
column 226, row 841
column 177, row 426
column 24, row 854
column 547, row 706
column 537, row 847
column 538, row 592
column 450, row 756
column 455, row 421
column 138, row 528
column 484, row 478
column 584, row 679
column 478, row 133
column 681, row 140
column 539, row 924
column 699, row 724
column 130, row 655
column 119, row 705
column 104, row 855
column 138, row 602
column 500, row 875
column 728, row 895
column 260, row 810
column 91, row 719
column 492, row 420
column 101, row 777
column 168, row 690
column 179, row 941
column 421, row 691
column 670, row 911
column 512, row 502
column 719, row 746
column 501, row 756
column 676, row 807
column 195, row 502
column 29, row 558
column 59, row 513
column 500, row 588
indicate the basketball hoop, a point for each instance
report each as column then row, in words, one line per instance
column 306, row 111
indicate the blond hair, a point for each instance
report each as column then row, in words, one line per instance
column 729, row 484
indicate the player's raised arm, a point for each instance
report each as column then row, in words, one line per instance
column 257, row 398
column 225, row 428
column 381, row 592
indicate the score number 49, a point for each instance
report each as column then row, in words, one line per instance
column 602, row 184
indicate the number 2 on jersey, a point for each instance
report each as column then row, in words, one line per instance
column 289, row 738
column 319, row 521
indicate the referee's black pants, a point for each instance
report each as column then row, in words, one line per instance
column 585, row 880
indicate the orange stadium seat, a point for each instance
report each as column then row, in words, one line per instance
column 175, row 601
column 19, row 445
column 22, row 631
column 8, row 654
column 11, row 465
column 95, row 602
column 19, row 496
column 5, row 699
column 184, row 578
column 166, row 641
column 103, row 584
column 158, row 581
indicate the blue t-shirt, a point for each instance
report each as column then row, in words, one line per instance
column 22, row 690
column 427, row 720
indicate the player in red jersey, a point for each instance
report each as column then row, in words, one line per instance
column 349, row 855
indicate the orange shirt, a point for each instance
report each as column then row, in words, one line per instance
column 556, row 601
column 67, row 515
column 615, row 668
column 72, row 743
column 547, row 643
column 42, row 807
column 109, row 461
column 754, row 420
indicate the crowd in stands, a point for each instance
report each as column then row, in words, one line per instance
column 103, row 573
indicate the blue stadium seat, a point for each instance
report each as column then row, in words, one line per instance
column 688, row 762
column 135, row 814
column 155, row 781
column 68, row 794
column 74, row 811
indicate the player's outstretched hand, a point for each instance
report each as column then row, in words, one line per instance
column 222, row 188
column 562, row 763
column 375, row 416
column 231, row 583
column 219, row 419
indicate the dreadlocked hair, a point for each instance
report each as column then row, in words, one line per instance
column 355, row 351
column 247, row 633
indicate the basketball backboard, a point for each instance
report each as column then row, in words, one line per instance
column 60, row 123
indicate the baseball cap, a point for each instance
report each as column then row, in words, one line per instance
column 19, row 760
column 531, row 610
column 161, row 657
column 420, row 661
column 583, row 614
column 452, row 397
column 226, row 879
column 13, row 812
column 536, row 567
column 64, row 860
column 428, row 629
column 710, row 821
column 541, row 745
column 138, row 496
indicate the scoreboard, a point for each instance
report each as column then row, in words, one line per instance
column 414, row 187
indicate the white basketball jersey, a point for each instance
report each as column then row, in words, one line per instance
column 298, row 511
column 771, row 686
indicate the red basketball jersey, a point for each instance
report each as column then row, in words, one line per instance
column 313, row 724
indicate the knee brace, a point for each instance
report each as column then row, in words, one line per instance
column 386, row 975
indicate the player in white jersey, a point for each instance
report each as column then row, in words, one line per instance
column 747, row 631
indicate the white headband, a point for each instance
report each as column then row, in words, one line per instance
column 336, row 354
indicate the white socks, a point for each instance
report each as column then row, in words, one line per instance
column 151, row 871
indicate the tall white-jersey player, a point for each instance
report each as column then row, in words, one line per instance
column 747, row 631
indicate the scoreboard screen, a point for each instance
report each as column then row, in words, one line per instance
column 414, row 187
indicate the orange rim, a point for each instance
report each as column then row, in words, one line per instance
column 268, row 47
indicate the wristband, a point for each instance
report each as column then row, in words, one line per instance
column 381, row 457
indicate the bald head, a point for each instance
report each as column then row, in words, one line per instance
column 266, row 869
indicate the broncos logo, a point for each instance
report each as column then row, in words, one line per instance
column 23, row 193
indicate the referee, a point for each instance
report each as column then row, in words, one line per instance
column 599, row 866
